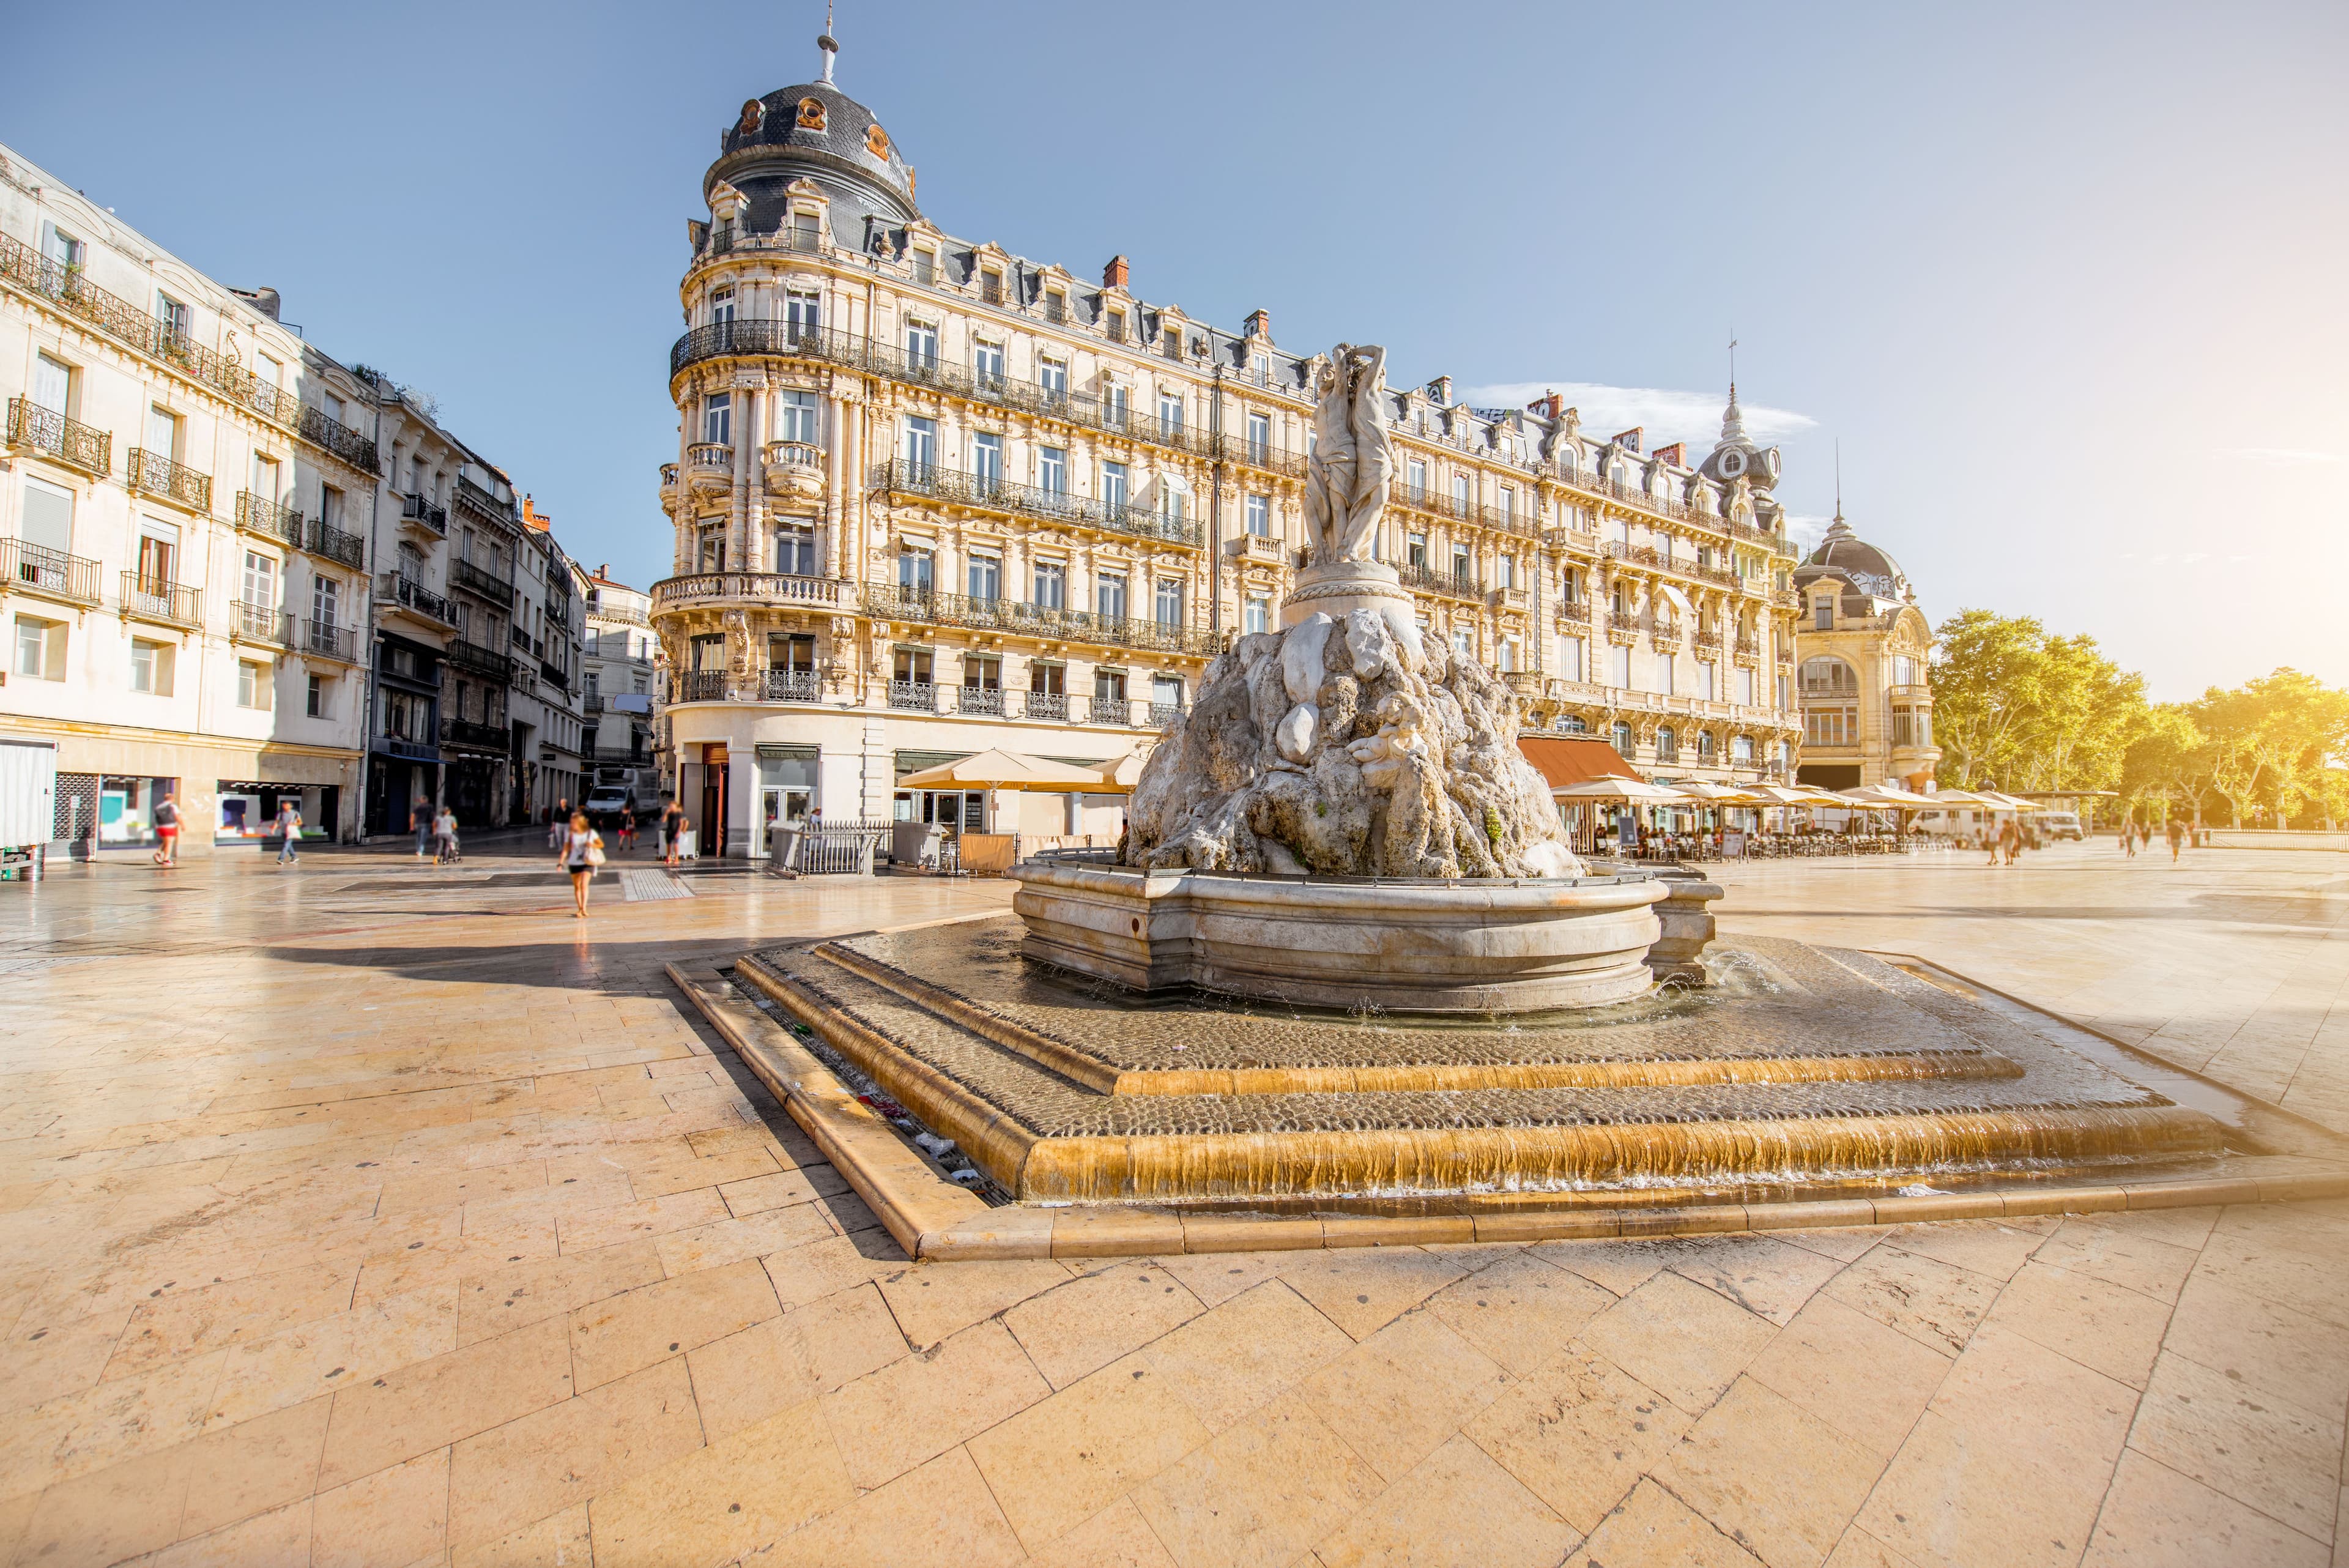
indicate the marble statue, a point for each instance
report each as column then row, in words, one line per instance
column 1346, row 478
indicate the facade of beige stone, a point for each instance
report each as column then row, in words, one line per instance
column 1862, row 649
column 931, row 497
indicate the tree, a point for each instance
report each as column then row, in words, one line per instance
column 1985, row 680
column 2015, row 707
column 2272, row 741
column 2167, row 766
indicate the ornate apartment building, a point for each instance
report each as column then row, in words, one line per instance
column 1864, row 645
column 185, row 496
column 931, row 497
column 621, row 675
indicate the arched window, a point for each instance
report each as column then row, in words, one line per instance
column 1741, row 749
column 1623, row 746
column 1826, row 676
column 1704, row 747
column 1668, row 745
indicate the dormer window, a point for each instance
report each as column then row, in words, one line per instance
column 990, row 287
column 925, row 265
column 806, row 227
column 1117, row 327
column 1056, row 306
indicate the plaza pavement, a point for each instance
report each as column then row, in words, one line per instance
column 363, row 1213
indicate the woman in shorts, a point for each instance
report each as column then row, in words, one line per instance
column 581, row 847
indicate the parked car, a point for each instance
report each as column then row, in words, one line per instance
column 603, row 805
column 2059, row 825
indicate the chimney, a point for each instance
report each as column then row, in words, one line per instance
column 1629, row 440
column 1114, row 275
column 1259, row 323
column 1676, row 454
column 265, row 300
column 1547, row 405
column 1439, row 391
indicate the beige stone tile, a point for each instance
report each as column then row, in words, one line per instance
column 715, row 1503
column 2274, row 1349
column 1865, row 1378
column 1075, row 1328
column 1770, row 1476
column 1578, row 1433
column 693, row 1171
column 2259, row 1259
column 1397, row 1396
column 1216, row 1277
column 1056, row 1463
column 2278, row 1457
column 2155, row 1518
column 1620, row 1267
column 629, row 1331
column 1457, row 1509
column 1652, row 1528
column 2028, row 1399
column 1955, row 1499
column 1246, row 1352
column 918, row 1408
column 847, row 1213
column 2187, row 1228
column 566, row 1453
column 396, row 1515
column 401, row 1415
column 1519, row 1310
column 934, row 1300
column 1675, row 1336
column 335, row 1353
column 802, row 1275
column 559, row 1541
column 811, row 1350
column 506, row 1299
column 1844, row 1243
column 1363, row 1289
column 1991, row 1248
column 780, row 1189
column 732, row 1241
column 282, row 1536
column 109, row 1514
column 1767, row 1277
column 209, row 1316
column 1858, row 1549
column 1116, row 1537
column 593, row 1228
column 48, row 1356
column 1263, row 1491
column 2125, row 1258
column 258, row 1465
column 941, row 1512
column 119, row 1419
column 2114, row 1330
column 1931, row 1302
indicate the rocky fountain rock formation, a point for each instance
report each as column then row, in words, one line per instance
column 1340, row 745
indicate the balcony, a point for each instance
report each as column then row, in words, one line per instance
column 256, row 515
column 480, row 661
column 1426, row 579
column 487, row 584
column 1666, row 631
column 483, row 502
column 70, row 292
column 334, row 544
column 1256, row 549
column 1748, row 650
column 553, row 676
column 1260, row 455
column 667, row 485
column 1508, row 598
column 793, row 470
column 700, row 686
column 914, row 696
column 926, row 608
column 398, row 591
column 53, row 435
column 474, row 736
column 558, row 612
column 752, row 587
column 1574, row 615
column 626, row 613
column 710, row 468
column 260, row 623
column 1517, row 524
column 1913, row 696
column 28, row 568
column 1708, row 644
column 156, row 599
column 980, row 700
column 791, row 685
column 154, row 474
column 897, row 477
column 325, row 640
column 419, row 513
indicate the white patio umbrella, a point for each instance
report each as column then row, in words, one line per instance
column 1632, row 792
column 995, row 769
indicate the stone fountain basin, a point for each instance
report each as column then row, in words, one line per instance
column 1352, row 943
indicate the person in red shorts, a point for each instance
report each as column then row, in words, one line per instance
column 167, row 829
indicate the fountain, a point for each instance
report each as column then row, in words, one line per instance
column 1344, row 971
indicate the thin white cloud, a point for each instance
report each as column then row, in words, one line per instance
column 1805, row 529
column 2285, row 456
column 1665, row 415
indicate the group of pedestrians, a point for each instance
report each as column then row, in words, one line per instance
column 2136, row 836
column 438, row 826
column 579, row 847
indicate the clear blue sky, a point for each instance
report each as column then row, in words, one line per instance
column 2065, row 280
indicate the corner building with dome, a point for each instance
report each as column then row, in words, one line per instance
column 932, row 498
column 1862, row 649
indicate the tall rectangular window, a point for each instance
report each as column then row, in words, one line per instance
column 1053, row 376
column 987, row 362
column 795, row 549
column 795, row 417
column 1170, row 413
column 717, row 425
column 1168, row 603
column 1259, row 437
column 1052, row 585
column 1257, row 614
column 721, row 307
column 158, row 552
column 315, row 701
column 1418, row 479
column 1259, row 516
column 915, row 568
column 260, row 583
column 327, row 600
column 150, row 666
column 40, row 648
column 986, row 576
column 1115, row 478
column 804, row 312
column 1569, row 658
column 1664, row 663
column 1621, row 675
column 163, row 432
column 1110, row 596
column 921, row 444
column 53, row 384
column 986, row 459
column 1052, row 470
column 1118, row 406
column 1460, row 495
column 922, row 344
column 253, row 685
column 47, row 525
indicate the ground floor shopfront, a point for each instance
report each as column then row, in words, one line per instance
column 110, row 781
column 744, row 769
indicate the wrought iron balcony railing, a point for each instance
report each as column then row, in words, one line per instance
column 400, row 589
column 68, row 290
column 1574, row 612
column 36, row 569
column 68, row 440
column 1427, row 579
column 898, row 477
column 473, row 579
column 917, row 696
column 421, row 510
column 329, row 641
column 555, row 675
column 930, row 608
column 157, row 475
column 558, row 611
column 333, row 543
column 265, row 516
column 483, row 502
column 260, row 623
column 157, row 598
column 700, row 686
column 1516, row 522
column 467, row 655
column 480, row 736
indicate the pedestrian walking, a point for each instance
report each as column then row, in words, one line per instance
column 167, row 829
column 678, row 828
column 583, row 851
column 2129, row 838
column 672, row 822
column 1992, row 838
column 444, row 837
column 558, row 827
column 627, row 829
column 419, row 823
column 289, row 823
column 2176, row 839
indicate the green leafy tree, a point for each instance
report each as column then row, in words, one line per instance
column 2272, row 743
column 2017, row 708
column 2168, row 767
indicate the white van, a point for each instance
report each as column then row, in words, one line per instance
column 2059, row 825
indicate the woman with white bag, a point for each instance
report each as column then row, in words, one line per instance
column 583, row 851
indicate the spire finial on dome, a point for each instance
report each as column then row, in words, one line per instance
column 828, row 44
column 1838, row 529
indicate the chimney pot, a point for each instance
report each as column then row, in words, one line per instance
column 1115, row 275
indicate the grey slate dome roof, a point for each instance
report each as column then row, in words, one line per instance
column 817, row 132
column 1844, row 553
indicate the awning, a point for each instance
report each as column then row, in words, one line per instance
column 1674, row 597
column 1003, row 770
column 1635, row 792
column 1569, row 759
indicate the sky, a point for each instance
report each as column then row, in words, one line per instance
column 2062, row 283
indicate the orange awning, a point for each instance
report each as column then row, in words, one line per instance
column 1571, row 760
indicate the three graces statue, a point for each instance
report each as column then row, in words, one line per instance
column 1346, row 478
